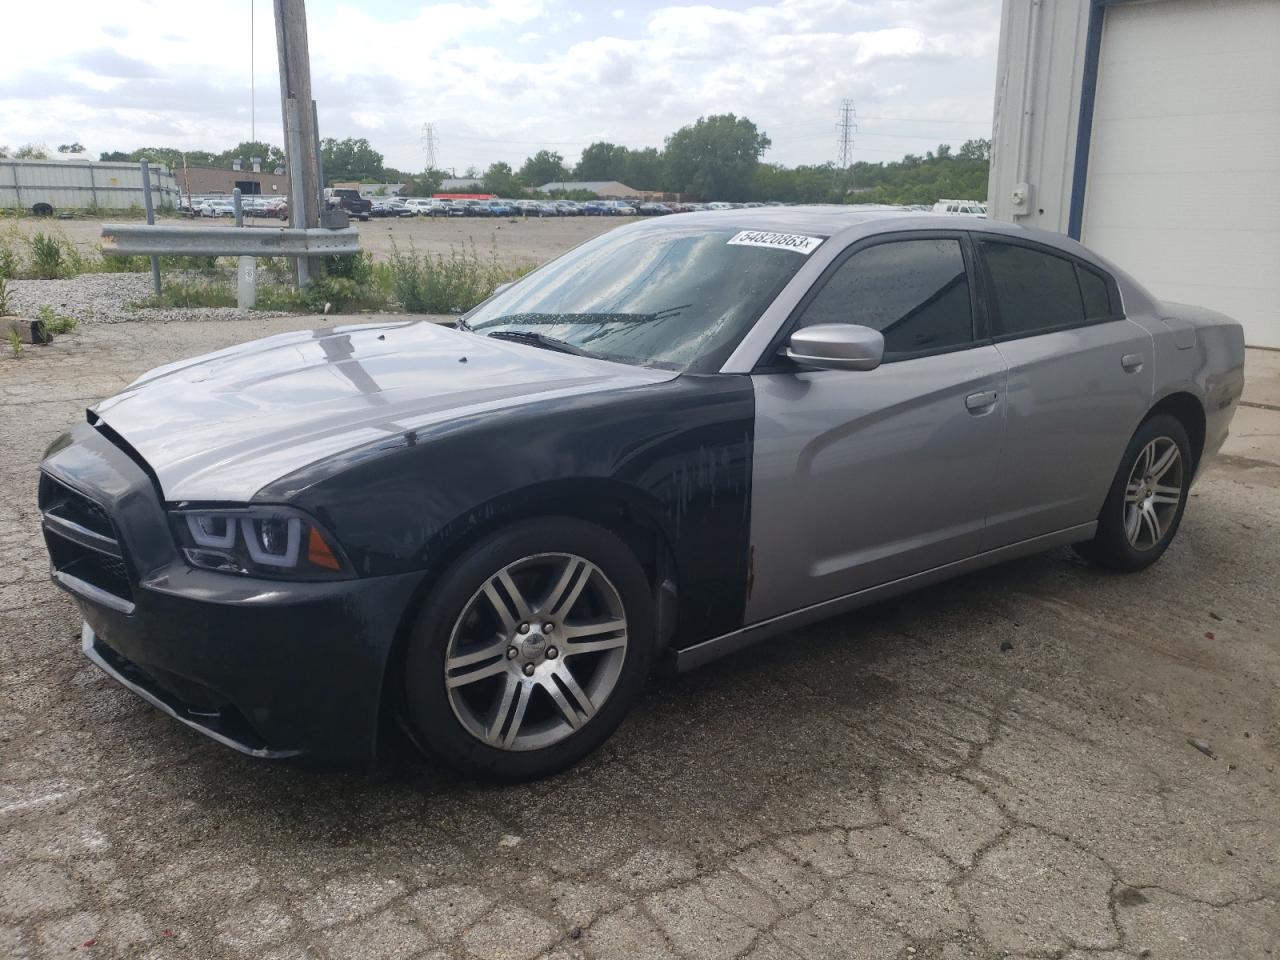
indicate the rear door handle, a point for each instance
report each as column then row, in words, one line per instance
column 1132, row 362
column 980, row 402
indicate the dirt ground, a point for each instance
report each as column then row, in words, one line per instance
column 536, row 239
column 1039, row 760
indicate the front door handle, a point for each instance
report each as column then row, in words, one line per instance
column 977, row 403
column 1132, row 362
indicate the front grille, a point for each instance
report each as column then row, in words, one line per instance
column 83, row 542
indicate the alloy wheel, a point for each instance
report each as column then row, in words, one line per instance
column 1153, row 494
column 536, row 652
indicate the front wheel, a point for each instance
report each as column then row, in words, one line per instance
column 1144, row 506
column 531, row 650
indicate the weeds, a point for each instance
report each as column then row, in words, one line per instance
column 55, row 324
column 191, row 293
column 9, row 263
column 15, row 344
column 427, row 283
column 4, row 297
column 53, row 257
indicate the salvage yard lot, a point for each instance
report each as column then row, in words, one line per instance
column 513, row 239
column 1037, row 760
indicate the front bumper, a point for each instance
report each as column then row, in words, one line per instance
column 272, row 669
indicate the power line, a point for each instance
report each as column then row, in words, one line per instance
column 847, row 127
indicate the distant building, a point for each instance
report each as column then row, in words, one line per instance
column 604, row 189
column 459, row 184
column 204, row 181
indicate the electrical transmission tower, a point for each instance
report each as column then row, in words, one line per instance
column 429, row 144
column 845, row 129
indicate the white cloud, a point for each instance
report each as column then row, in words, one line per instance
column 501, row 78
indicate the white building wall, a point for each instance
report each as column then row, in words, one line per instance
column 1038, row 80
column 1182, row 185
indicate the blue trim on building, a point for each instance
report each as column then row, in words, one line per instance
column 1084, row 129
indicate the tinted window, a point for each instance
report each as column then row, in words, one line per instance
column 1034, row 292
column 915, row 292
column 1097, row 300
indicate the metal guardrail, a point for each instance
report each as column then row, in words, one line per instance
column 138, row 239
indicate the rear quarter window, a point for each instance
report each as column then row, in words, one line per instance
column 1034, row 291
column 1096, row 295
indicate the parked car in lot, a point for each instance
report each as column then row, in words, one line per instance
column 214, row 207
column 476, row 208
column 287, row 544
column 595, row 208
column 455, row 208
column 653, row 209
column 621, row 208
column 359, row 207
column 567, row 208
column 499, row 208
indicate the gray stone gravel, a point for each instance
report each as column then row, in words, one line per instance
column 107, row 298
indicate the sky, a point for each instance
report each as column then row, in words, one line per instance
column 502, row 79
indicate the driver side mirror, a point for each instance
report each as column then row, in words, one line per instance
column 836, row 346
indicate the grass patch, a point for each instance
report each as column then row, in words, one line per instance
column 453, row 283
column 4, row 297
column 191, row 293
column 53, row 257
column 15, row 344
column 55, row 324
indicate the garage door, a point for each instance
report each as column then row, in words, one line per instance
column 1183, row 186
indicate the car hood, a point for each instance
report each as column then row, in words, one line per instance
column 222, row 426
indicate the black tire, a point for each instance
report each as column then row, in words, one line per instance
column 1111, row 546
column 436, row 725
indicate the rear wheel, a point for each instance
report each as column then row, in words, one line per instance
column 530, row 650
column 1144, row 506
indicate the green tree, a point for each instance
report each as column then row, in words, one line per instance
column 271, row 155
column 351, row 159
column 32, row 151
column 644, row 169
column 423, row 184
column 500, row 179
column 76, row 147
column 545, row 166
column 975, row 150
column 716, row 157
column 603, row 161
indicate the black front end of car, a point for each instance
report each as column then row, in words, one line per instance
column 272, row 668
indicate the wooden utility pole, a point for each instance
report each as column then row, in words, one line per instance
column 301, row 142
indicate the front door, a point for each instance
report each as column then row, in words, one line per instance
column 864, row 477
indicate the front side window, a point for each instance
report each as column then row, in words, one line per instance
column 915, row 292
column 1034, row 291
column 662, row 297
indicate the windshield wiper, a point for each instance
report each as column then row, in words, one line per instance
column 535, row 339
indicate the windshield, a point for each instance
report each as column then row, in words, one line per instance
column 664, row 297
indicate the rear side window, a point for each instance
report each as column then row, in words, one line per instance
column 1097, row 299
column 915, row 292
column 1034, row 292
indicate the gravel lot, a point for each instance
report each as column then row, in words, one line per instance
column 1039, row 760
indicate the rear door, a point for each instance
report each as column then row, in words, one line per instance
column 1080, row 381
column 863, row 477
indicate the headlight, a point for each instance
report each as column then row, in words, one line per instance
column 277, row 542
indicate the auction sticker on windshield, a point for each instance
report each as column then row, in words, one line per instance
column 782, row 241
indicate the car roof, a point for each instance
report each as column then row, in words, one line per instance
column 828, row 220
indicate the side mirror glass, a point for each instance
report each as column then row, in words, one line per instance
column 836, row 346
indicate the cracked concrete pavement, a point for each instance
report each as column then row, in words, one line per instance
column 891, row 784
